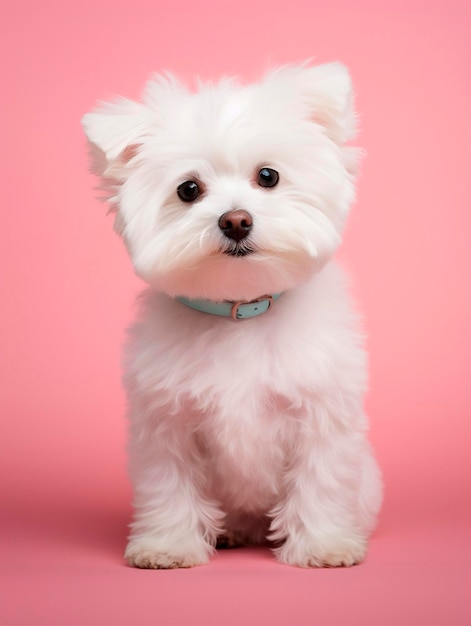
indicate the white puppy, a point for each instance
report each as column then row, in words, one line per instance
column 245, row 371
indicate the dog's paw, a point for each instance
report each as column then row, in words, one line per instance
column 338, row 553
column 145, row 556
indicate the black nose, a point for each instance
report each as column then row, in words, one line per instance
column 236, row 224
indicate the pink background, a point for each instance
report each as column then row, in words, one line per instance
column 67, row 291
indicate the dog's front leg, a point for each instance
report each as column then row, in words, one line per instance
column 174, row 524
column 332, row 493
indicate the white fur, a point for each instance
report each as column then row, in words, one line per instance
column 249, row 428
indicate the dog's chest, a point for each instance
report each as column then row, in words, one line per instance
column 245, row 456
column 247, row 431
column 242, row 392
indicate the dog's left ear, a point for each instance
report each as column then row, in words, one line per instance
column 325, row 94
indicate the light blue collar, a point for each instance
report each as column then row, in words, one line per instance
column 240, row 310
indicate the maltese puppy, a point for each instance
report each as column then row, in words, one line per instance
column 245, row 371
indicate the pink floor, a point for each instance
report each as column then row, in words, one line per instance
column 63, row 567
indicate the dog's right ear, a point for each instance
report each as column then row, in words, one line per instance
column 114, row 131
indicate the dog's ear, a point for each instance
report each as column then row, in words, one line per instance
column 114, row 131
column 325, row 94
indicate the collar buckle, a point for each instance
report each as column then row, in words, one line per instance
column 235, row 306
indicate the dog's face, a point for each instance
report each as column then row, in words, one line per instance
column 231, row 192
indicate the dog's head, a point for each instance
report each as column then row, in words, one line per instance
column 232, row 191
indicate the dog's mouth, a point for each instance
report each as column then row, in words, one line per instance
column 239, row 249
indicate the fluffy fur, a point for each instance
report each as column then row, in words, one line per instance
column 251, row 430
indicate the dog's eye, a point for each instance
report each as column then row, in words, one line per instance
column 267, row 177
column 188, row 191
